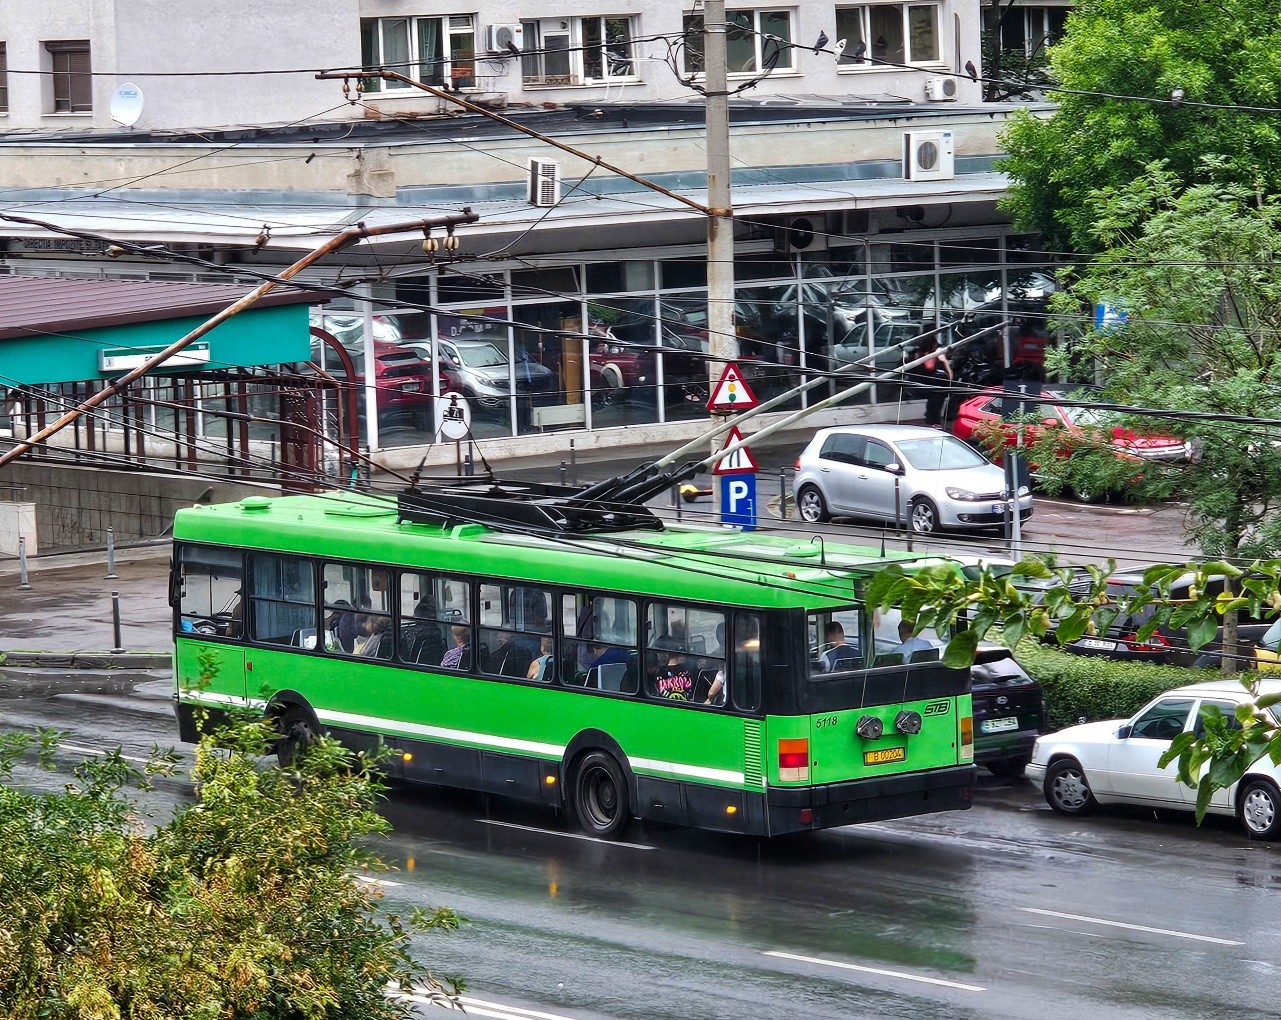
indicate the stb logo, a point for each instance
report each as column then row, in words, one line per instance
column 937, row 708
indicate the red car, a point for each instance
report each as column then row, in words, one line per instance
column 980, row 417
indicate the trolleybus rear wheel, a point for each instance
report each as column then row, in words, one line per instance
column 297, row 731
column 600, row 795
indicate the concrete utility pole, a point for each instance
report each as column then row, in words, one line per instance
column 723, row 343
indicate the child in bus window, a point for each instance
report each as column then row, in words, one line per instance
column 459, row 656
column 675, row 681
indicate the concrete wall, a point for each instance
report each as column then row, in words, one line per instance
column 74, row 506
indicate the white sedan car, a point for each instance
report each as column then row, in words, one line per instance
column 1115, row 762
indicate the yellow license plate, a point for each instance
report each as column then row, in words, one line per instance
column 885, row 756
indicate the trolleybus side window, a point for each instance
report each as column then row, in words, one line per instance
column 513, row 621
column 282, row 599
column 684, row 652
column 601, row 649
column 742, row 685
column 423, row 635
column 210, row 582
column 834, row 641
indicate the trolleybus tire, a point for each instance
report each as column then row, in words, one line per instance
column 298, row 729
column 600, row 801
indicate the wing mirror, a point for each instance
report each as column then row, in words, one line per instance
column 894, row 468
column 1124, row 732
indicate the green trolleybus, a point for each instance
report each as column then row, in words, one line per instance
column 533, row 645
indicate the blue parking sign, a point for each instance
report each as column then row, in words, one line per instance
column 738, row 500
column 1108, row 317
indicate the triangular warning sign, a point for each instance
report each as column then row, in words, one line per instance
column 740, row 462
column 732, row 393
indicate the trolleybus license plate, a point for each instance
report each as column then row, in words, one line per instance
column 885, row 756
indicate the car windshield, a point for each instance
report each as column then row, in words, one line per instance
column 482, row 356
column 940, row 453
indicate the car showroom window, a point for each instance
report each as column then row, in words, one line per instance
column 888, row 33
column 577, row 50
column 434, row 51
column 755, row 40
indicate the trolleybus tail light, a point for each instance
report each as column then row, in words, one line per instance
column 794, row 760
column 908, row 722
column 967, row 738
column 869, row 727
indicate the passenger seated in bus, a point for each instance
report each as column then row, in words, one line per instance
column 909, row 642
column 377, row 643
column 458, row 657
column 839, row 654
column 420, row 638
column 541, row 667
column 511, row 657
column 344, row 624
column 674, row 679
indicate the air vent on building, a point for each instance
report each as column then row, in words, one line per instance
column 927, row 156
column 544, row 182
column 940, row 89
column 504, row 38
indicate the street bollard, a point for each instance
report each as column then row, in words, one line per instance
column 782, row 494
column 564, row 473
column 111, row 553
column 676, row 500
column 115, row 621
column 573, row 463
column 23, row 584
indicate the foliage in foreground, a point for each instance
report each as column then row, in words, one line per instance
column 246, row 904
column 968, row 608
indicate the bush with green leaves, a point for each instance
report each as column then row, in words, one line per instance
column 1091, row 687
column 247, row 904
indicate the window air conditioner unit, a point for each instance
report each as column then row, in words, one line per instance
column 544, row 182
column 927, row 156
column 939, row 90
column 503, row 38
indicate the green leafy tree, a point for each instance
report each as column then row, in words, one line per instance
column 1226, row 55
column 247, row 905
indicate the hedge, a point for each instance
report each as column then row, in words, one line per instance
column 1087, row 688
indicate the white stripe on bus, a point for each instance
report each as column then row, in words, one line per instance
column 645, row 765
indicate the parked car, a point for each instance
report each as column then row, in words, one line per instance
column 980, row 418
column 919, row 475
column 481, row 371
column 403, row 383
column 1121, row 641
column 1115, row 762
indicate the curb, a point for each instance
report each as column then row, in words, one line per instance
column 87, row 660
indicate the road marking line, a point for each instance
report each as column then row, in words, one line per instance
column 80, row 749
column 479, row 1007
column 1134, row 927
column 566, row 835
column 876, row 970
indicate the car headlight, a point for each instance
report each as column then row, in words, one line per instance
column 1024, row 490
column 955, row 493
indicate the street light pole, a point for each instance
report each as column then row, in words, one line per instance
column 722, row 342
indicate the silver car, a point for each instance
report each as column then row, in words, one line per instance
column 908, row 473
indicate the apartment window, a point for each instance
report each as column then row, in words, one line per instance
column 755, row 41
column 1027, row 30
column 888, row 33
column 578, row 50
column 4, row 78
column 72, row 86
column 434, row 51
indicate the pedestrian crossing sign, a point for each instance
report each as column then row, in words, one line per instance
column 740, row 462
column 732, row 393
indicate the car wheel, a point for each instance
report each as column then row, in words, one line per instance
column 923, row 515
column 811, row 505
column 1085, row 494
column 1258, row 810
column 1007, row 768
column 1066, row 789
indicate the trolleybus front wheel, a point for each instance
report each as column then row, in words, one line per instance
column 600, row 795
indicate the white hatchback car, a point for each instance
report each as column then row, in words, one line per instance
column 1115, row 762
column 921, row 476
